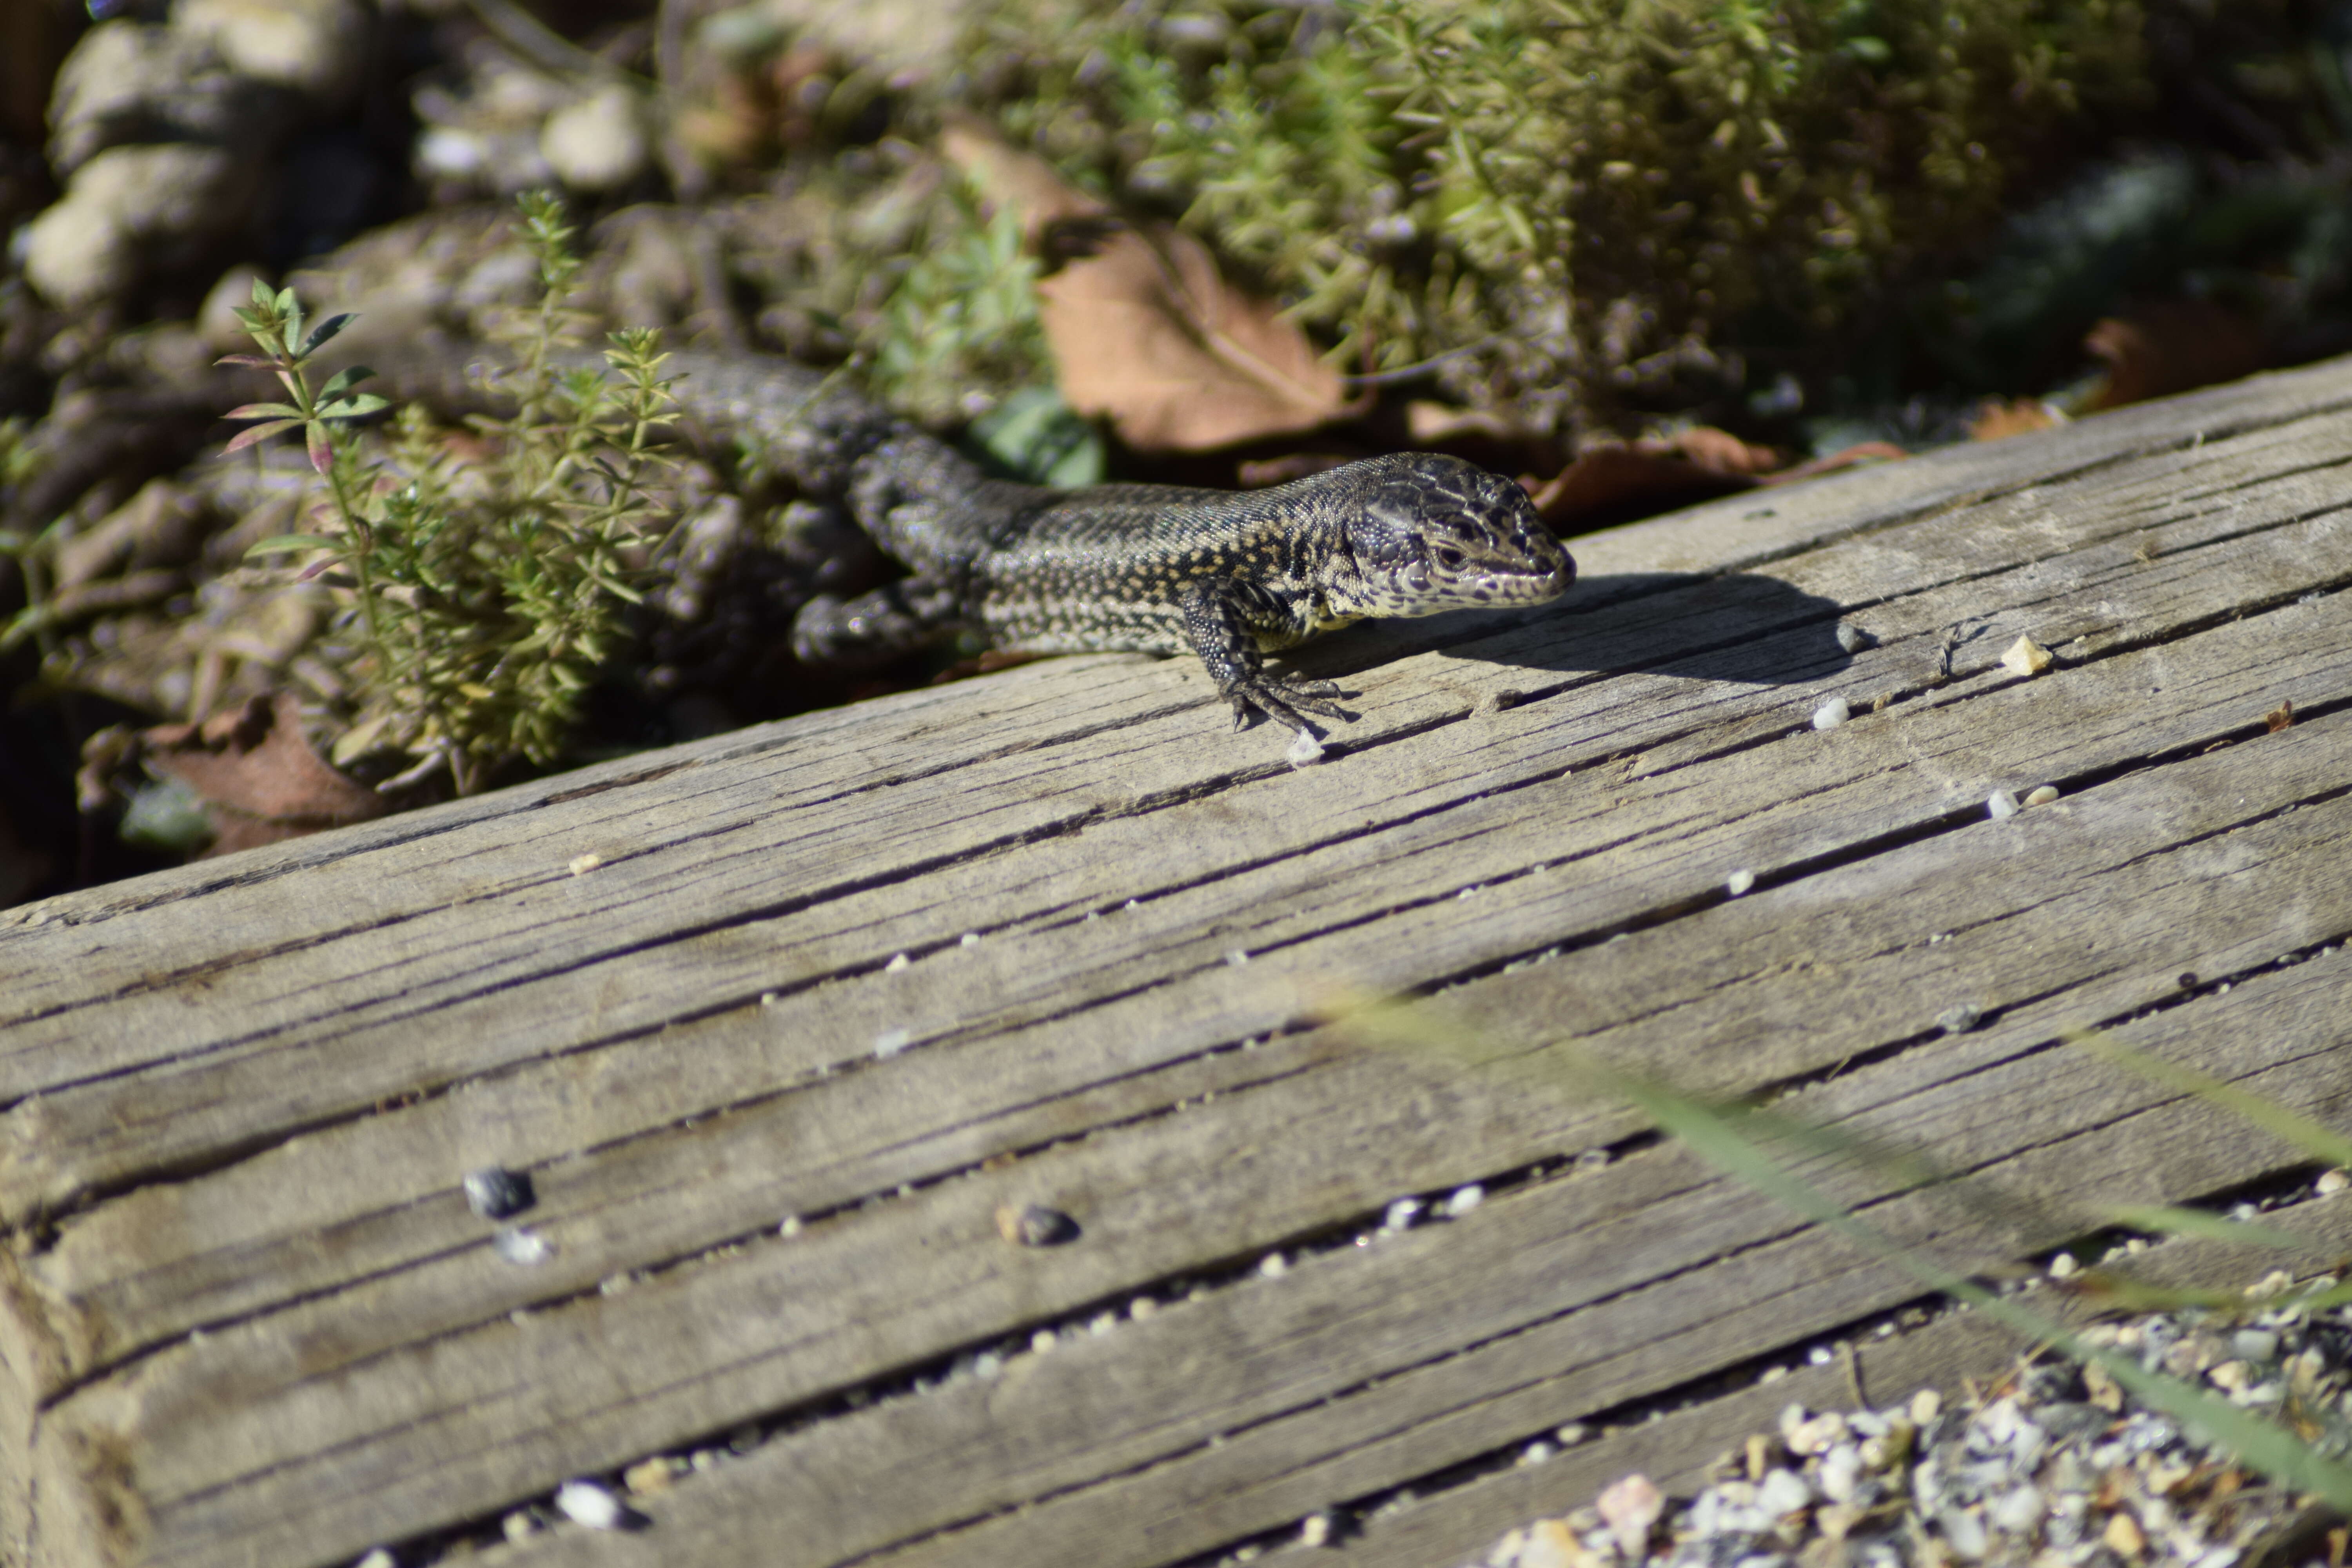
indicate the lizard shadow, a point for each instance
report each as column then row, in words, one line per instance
column 1735, row 625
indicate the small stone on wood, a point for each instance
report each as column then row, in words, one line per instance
column 494, row 1192
column 1034, row 1225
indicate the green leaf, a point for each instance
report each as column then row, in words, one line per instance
column 352, row 405
column 343, row 381
column 281, row 544
column 243, row 438
column 325, row 330
column 2168, row 1221
column 166, row 814
column 30, row 621
column 264, row 411
column 2325, row 1144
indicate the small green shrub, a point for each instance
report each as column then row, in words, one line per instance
column 486, row 595
column 1573, row 199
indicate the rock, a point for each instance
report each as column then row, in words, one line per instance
column 128, row 82
column 130, row 211
column 311, row 47
column 598, row 143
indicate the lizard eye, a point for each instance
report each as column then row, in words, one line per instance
column 1450, row 558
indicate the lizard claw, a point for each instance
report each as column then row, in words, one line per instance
column 1285, row 702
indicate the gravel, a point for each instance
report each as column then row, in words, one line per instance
column 2053, row 1466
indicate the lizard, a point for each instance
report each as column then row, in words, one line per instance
column 1227, row 575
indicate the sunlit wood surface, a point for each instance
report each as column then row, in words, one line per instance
column 1055, row 937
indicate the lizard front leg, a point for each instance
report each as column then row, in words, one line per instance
column 1218, row 616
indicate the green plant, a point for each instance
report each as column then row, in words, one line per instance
column 1573, row 199
column 485, row 596
column 964, row 316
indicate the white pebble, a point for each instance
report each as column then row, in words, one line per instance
column 1832, row 714
column 897, row 961
column 379, row 1558
column 969, row 939
column 1143, row 1306
column 2018, row 1511
column 585, row 1502
column 2000, row 804
column 1852, row 638
column 1841, row 1472
column 1274, row 1266
column 1738, row 882
column 2026, row 657
column 2063, row 1265
column 1236, row 956
column 1043, row 1341
column 521, row 1245
column 2042, row 794
column 1536, row 1453
column 1315, row 1529
column 519, row 1525
column 1964, row 1532
column 791, row 1227
column 582, row 865
column 1783, row 1492
column 1305, row 752
column 1463, row 1199
column 1959, row 1019
column 2332, row 1181
column 1400, row 1214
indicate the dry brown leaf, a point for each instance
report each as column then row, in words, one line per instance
column 1724, row 452
column 2174, row 345
column 1146, row 332
column 1861, row 452
column 1997, row 420
column 1615, row 482
column 259, row 778
column 1265, row 472
column 2280, row 718
column 1019, row 183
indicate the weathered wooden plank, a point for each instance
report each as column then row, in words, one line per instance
column 170, row 1300
column 265, row 1323
column 624, row 903
column 825, row 769
column 1156, row 1198
column 1166, row 1446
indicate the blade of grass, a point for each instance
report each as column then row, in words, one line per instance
column 1715, row 1138
column 2167, row 1220
column 2322, row 1143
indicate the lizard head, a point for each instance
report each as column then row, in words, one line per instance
column 1430, row 533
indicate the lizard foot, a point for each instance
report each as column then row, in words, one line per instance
column 1283, row 700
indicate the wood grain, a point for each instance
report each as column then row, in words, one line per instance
column 1054, row 937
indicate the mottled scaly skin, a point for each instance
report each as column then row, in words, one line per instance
column 1152, row 568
